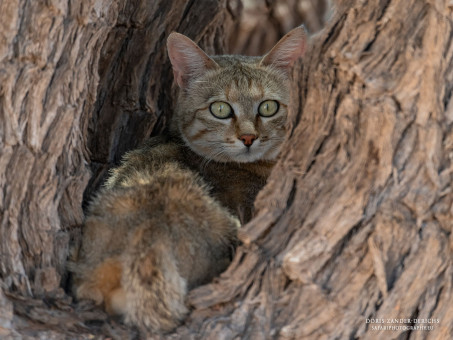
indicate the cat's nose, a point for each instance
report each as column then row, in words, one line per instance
column 247, row 139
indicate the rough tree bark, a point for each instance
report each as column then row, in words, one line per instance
column 354, row 223
column 356, row 220
column 262, row 22
column 81, row 82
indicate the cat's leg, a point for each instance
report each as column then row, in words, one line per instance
column 143, row 285
column 98, row 284
column 116, row 302
column 153, row 287
column 97, row 265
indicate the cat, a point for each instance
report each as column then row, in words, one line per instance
column 167, row 218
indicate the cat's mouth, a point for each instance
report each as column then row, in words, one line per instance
column 237, row 152
column 248, row 154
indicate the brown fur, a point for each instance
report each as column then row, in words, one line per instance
column 150, row 240
column 167, row 218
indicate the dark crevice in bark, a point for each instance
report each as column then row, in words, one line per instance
column 103, row 94
column 384, row 5
column 400, row 157
column 333, row 34
column 397, row 271
column 414, row 315
column 439, row 294
column 300, row 99
column 324, row 274
column 448, row 44
column 291, row 195
column 185, row 14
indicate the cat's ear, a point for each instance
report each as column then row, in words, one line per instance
column 291, row 47
column 188, row 60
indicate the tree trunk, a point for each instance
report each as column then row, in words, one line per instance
column 354, row 223
column 356, row 220
column 262, row 22
column 81, row 82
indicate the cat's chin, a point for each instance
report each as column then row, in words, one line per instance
column 246, row 158
column 237, row 155
column 249, row 156
column 242, row 157
column 237, row 158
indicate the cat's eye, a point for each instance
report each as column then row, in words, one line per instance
column 268, row 108
column 221, row 110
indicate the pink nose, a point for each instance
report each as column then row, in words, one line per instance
column 247, row 139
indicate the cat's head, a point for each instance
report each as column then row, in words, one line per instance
column 233, row 108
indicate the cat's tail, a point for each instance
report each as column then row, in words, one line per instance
column 154, row 290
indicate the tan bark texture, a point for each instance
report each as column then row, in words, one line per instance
column 263, row 22
column 355, row 222
column 356, row 219
column 81, row 82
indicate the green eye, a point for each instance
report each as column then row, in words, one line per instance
column 221, row 110
column 268, row 108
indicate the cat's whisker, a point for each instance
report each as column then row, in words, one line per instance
column 206, row 160
column 212, row 156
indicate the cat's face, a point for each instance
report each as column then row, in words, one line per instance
column 233, row 108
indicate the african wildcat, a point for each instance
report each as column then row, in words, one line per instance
column 167, row 218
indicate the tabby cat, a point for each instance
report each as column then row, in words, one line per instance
column 167, row 218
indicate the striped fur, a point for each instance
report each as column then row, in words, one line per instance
column 243, row 83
